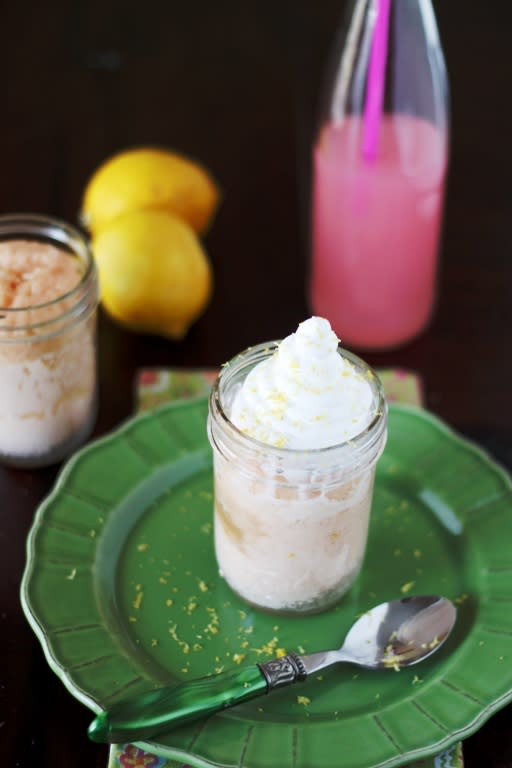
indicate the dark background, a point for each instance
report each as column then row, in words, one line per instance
column 235, row 85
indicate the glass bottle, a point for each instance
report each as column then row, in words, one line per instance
column 379, row 167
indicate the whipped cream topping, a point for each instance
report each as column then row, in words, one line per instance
column 306, row 395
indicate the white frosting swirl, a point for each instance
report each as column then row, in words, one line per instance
column 306, row 395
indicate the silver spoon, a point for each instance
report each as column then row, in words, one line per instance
column 390, row 636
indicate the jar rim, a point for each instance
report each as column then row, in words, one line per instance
column 37, row 227
column 31, row 224
column 358, row 442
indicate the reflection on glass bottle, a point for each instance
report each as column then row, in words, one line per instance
column 380, row 161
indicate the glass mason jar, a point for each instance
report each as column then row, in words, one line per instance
column 48, row 371
column 290, row 525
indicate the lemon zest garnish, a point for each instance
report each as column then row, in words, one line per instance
column 461, row 599
column 185, row 647
column 191, row 606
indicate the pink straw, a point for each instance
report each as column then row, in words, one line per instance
column 375, row 85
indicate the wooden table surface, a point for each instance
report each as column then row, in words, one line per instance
column 235, row 85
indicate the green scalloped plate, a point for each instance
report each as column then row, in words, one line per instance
column 122, row 589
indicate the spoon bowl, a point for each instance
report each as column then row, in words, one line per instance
column 402, row 632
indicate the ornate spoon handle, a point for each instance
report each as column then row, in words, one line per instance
column 154, row 712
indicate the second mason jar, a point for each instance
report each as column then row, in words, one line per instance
column 48, row 374
column 290, row 525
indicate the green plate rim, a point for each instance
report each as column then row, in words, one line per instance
column 37, row 620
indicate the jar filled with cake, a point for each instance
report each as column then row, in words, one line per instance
column 48, row 371
column 297, row 427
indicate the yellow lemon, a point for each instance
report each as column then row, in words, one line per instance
column 145, row 178
column 154, row 274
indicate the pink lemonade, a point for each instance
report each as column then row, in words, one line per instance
column 376, row 229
